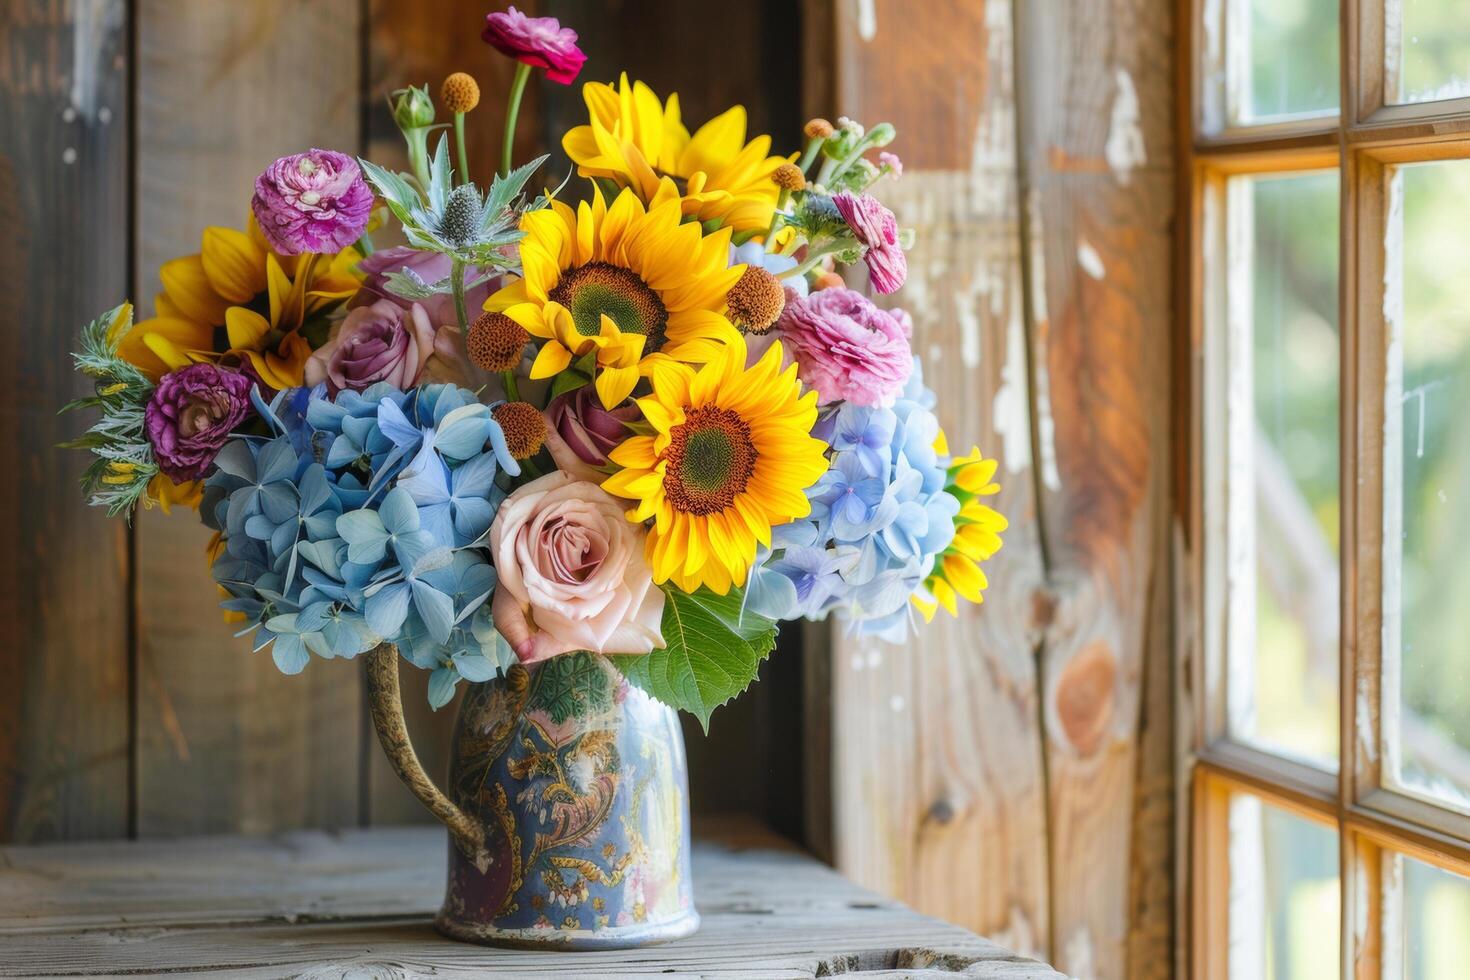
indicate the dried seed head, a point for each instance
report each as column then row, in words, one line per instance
column 495, row 342
column 756, row 300
column 524, row 428
column 789, row 177
column 817, row 129
column 460, row 92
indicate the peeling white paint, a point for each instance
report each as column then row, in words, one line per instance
column 1077, row 956
column 867, row 19
column 1009, row 412
column 1125, row 149
column 1046, row 427
column 1090, row 261
column 967, row 312
column 1036, row 254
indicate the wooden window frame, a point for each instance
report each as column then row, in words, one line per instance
column 1376, row 822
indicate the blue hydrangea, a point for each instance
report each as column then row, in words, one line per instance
column 361, row 520
column 880, row 517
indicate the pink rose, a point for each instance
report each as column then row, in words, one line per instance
column 877, row 229
column 572, row 573
column 847, row 348
column 431, row 267
column 540, row 42
column 381, row 342
column 580, row 432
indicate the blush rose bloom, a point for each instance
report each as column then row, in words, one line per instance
column 847, row 348
column 572, row 573
column 580, row 432
column 379, row 342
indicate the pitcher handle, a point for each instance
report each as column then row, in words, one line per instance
column 386, row 702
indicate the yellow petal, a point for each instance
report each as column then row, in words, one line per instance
column 615, row 384
column 552, row 359
column 235, row 264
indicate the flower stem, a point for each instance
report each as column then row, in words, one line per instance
column 365, row 244
column 512, row 110
column 807, row 266
column 464, row 163
column 456, row 285
column 776, row 215
column 512, row 390
column 418, row 155
column 810, row 153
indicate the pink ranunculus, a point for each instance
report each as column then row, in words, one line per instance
column 892, row 162
column 847, row 348
column 191, row 414
column 380, row 342
column 572, row 573
column 877, row 230
column 431, row 267
column 580, row 432
column 540, row 42
column 315, row 201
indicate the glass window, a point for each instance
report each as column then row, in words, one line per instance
column 1284, row 654
column 1434, row 49
column 1427, row 482
column 1435, row 922
column 1290, row 47
column 1283, row 894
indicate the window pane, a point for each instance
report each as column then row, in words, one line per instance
column 1292, row 58
column 1284, row 653
column 1435, row 923
column 1283, row 894
column 1427, row 484
column 1434, row 49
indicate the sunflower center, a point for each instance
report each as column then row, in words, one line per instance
column 599, row 289
column 710, row 460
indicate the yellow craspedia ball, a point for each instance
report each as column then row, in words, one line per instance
column 460, row 92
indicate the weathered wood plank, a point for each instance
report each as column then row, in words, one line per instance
column 937, row 770
column 64, row 183
column 324, row 905
column 225, row 742
column 1096, row 117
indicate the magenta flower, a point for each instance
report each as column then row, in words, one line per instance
column 877, row 230
column 540, row 42
column 190, row 415
column 892, row 162
column 379, row 342
column 315, row 201
column 847, row 348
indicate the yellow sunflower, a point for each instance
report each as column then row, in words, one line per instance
column 730, row 457
column 626, row 283
column 633, row 140
column 977, row 527
column 260, row 299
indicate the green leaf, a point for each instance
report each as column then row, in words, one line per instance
column 572, row 685
column 712, row 652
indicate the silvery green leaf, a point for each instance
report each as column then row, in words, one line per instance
column 408, row 284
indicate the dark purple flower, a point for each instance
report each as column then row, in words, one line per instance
column 315, row 201
column 580, row 432
column 847, row 348
column 877, row 230
column 540, row 42
column 431, row 267
column 191, row 414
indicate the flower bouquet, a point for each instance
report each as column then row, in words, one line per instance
column 583, row 447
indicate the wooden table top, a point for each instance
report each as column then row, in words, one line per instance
column 358, row 903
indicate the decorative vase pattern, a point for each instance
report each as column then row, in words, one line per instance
column 570, row 789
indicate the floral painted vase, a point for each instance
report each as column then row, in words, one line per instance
column 567, row 807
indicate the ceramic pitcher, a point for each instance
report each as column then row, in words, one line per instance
column 567, row 808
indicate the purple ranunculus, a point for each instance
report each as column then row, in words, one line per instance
column 540, row 42
column 379, row 342
column 877, row 229
column 580, row 432
column 190, row 415
column 315, row 201
column 847, row 348
column 431, row 267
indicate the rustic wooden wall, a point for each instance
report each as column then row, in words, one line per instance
column 1010, row 772
column 1020, row 780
